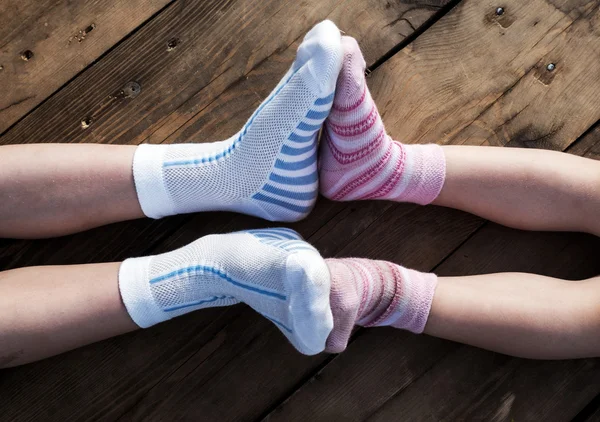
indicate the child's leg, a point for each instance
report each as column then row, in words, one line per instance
column 524, row 188
column 524, row 315
column 528, row 189
column 48, row 310
column 267, row 169
column 50, row 190
column 518, row 314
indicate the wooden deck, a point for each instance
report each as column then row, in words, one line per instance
column 452, row 72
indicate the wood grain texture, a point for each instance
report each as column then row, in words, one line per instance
column 423, row 104
column 203, row 344
column 474, row 78
column 231, row 364
column 218, row 42
column 63, row 37
column 473, row 384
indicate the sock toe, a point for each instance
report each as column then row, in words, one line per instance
column 322, row 52
column 351, row 80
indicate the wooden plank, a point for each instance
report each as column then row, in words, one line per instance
column 589, row 144
column 218, row 43
column 123, row 384
column 473, row 384
column 433, row 78
column 475, row 78
column 255, row 379
column 63, row 38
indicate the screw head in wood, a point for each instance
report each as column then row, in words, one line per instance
column 550, row 67
column 86, row 122
column 500, row 11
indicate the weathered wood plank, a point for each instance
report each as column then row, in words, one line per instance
column 476, row 78
column 439, row 103
column 217, row 42
column 589, row 144
column 111, row 397
column 266, row 370
column 62, row 38
column 473, row 384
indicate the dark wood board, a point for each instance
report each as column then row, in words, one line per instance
column 43, row 44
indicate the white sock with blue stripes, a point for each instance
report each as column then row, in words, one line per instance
column 269, row 168
column 272, row 270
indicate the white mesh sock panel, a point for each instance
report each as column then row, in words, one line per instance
column 268, row 169
column 273, row 271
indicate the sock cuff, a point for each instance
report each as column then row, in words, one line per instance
column 428, row 173
column 134, row 285
column 149, row 181
column 418, row 289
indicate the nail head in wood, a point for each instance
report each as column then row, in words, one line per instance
column 500, row 11
column 172, row 43
column 27, row 55
column 550, row 67
column 86, row 122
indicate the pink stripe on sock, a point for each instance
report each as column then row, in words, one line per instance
column 397, row 296
column 390, row 183
column 365, row 287
column 345, row 109
column 365, row 177
column 347, row 158
column 357, row 128
column 422, row 288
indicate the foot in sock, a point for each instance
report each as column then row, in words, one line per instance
column 269, row 168
column 376, row 293
column 358, row 160
column 274, row 271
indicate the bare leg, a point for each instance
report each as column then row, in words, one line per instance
column 49, row 310
column 52, row 190
column 522, row 188
column 519, row 314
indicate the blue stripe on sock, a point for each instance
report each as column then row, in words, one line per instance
column 303, row 196
column 291, row 207
column 306, row 127
column 199, row 302
column 326, row 100
column 283, row 233
column 287, row 150
column 297, row 138
column 266, row 236
column 317, row 115
column 278, row 323
column 296, row 181
column 296, row 165
column 219, row 273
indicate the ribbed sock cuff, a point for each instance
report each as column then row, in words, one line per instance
column 134, row 285
column 420, row 288
column 427, row 175
column 149, row 181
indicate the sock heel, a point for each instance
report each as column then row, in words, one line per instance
column 308, row 283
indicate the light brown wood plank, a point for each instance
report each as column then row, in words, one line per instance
column 218, row 43
column 474, row 78
column 63, row 38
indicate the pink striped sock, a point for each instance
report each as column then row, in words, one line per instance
column 358, row 160
column 374, row 294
